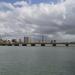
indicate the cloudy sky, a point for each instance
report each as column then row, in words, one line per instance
column 54, row 18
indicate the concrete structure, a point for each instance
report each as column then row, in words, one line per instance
column 6, row 43
column 20, row 41
column 26, row 42
column 26, row 39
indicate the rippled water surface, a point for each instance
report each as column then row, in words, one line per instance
column 37, row 61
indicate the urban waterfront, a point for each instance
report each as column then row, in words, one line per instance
column 28, row 41
column 37, row 60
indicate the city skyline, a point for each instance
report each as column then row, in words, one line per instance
column 52, row 17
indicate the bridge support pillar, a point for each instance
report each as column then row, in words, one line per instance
column 42, row 44
column 9, row 44
column 16, row 44
column 66, row 44
column 54, row 44
column 32, row 44
column 24, row 44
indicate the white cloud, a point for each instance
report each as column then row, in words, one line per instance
column 56, row 20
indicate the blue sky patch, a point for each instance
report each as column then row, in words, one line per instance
column 32, row 1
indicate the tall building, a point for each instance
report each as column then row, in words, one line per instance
column 20, row 41
column 54, row 41
column 51, row 41
column 26, row 39
column 43, row 38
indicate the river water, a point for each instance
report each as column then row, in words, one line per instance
column 37, row 60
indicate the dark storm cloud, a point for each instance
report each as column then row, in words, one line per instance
column 56, row 19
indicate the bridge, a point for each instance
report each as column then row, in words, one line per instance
column 40, row 44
